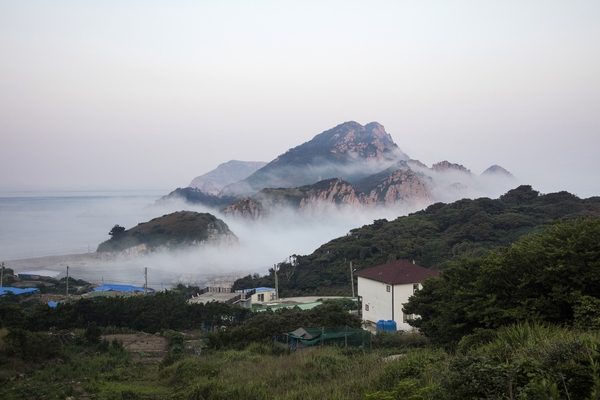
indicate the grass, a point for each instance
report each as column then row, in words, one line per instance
column 517, row 362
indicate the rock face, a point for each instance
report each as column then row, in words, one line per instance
column 178, row 230
column 349, row 151
column 232, row 171
column 246, row 208
column 403, row 187
column 400, row 187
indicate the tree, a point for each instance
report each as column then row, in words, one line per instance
column 552, row 276
column 116, row 231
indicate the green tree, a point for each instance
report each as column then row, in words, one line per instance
column 553, row 276
column 116, row 231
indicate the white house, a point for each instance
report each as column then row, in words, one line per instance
column 386, row 288
column 262, row 294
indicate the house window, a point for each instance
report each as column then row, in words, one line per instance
column 272, row 295
column 407, row 317
column 366, row 307
column 387, row 288
column 415, row 287
column 261, row 297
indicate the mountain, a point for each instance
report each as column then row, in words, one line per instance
column 348, row 151
column 361, row 167
column 432, row 238
column 172, row 231
column 232, row 171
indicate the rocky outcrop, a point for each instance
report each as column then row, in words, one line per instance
column 246, row 208
column 403, row 187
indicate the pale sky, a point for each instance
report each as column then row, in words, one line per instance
column 147, row 94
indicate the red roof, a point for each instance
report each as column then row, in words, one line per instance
column 397, row 272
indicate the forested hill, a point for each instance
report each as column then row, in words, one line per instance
column 431, row 238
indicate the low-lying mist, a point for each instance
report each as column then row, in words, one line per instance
column 60, row 226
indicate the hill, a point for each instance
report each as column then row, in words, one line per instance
column 232, row 171
column 432, row 237
column 172, row 231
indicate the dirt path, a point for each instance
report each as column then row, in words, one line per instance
column 144, row 347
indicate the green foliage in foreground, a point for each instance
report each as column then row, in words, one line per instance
column 526, row 361
column 433, row 238
column 553, row 276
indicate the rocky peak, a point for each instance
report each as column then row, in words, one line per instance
column 444, row 166
column 349, row 151
column 356, row 141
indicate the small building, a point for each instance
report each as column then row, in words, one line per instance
column 221, row 295
column 261, row 294
column 386, row 288
column 109, row 287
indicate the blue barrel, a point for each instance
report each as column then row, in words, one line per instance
column 380, row 326
column 390, row 326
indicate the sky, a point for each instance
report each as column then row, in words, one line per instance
column 148, row 95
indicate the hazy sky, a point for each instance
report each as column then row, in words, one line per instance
column 148, row 94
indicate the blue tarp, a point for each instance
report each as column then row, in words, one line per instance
column 121, row 288
column 52, row 304
column 258, row 289
column 5, row 290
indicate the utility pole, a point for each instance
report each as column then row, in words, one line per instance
column 102, row 286
column 67, row 282
column 146, row 284
column 2, row 276
column 276, row 282
column 352, row 278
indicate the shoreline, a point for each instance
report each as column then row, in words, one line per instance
column 109, row 268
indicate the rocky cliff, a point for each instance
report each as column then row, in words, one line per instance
column 401, row 187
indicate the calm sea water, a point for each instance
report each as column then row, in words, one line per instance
column 36, row 224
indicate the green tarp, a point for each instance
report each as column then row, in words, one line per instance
column 332, row 335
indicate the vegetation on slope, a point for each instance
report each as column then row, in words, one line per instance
column 197, row 196
column 432, row 238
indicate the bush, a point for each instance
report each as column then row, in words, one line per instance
column 399, row 340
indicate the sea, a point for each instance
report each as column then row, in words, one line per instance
column 39, row 224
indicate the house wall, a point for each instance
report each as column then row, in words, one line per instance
column 378, row 303
column 268, row 296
